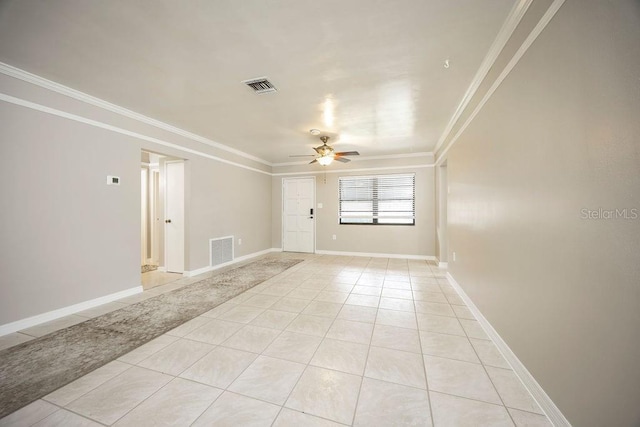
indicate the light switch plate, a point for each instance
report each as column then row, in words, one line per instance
column 319, row 205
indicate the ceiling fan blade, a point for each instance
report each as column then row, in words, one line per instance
column 317, row 149
column 302, row 155
column 341, row 159
column 314, row 161
column 348, row 153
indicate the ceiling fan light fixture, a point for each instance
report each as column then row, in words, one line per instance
column 325, row 154
column 325, row 150
column 325, row 160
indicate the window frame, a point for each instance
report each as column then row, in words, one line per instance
column 375, row 200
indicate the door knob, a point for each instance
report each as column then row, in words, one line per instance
column 167, row 221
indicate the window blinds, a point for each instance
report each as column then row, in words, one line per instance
column 377, row 199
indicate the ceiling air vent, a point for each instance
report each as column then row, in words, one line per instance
column 260, row 85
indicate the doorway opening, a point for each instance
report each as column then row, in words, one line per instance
column 154, row 247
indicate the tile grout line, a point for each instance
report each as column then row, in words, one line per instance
column 65, row 406
column 94, row 388
column 226, row 389
column 484, row 368
column 145, row 399
column 68, row 410
column 308, row 364
column 366, row 361
column 174, row 377
column 424, row 368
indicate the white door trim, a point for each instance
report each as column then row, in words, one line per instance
column 315, row 210
column 144, row 213
column 154, row 181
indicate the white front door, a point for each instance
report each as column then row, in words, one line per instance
column 174, row 217
column 298, row 214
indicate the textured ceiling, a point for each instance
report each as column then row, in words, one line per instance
column 370, row 73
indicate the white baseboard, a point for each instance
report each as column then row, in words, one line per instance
column 19, row 325
column 443, row 264
column 378, row 255
column 544, row 401
column 162, row 269
column 203, row 270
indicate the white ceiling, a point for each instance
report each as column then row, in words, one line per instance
column 368, row 72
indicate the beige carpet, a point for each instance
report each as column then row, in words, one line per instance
column 35, row 368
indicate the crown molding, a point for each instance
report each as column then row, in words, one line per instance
column 501, row 39
column 28, row 77
column 361, row 158
column 546, row 18
column 48, row 110
column 505, row 33
column 386, row 168
column 55, row 112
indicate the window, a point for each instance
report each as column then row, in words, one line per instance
column 378, row 199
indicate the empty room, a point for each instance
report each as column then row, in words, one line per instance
column 320, row 213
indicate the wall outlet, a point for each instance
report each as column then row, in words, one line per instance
column 239, row 242
column 454, row 256
column 334, row 237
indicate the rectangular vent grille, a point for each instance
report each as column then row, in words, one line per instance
column 261, row 85
column 220, row 250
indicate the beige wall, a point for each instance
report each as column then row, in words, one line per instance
column 66, row 237
column 401, row 240
column 560, row 135
column 226, row 200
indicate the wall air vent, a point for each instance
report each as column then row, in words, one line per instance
column 220, row 251
column 260, row 85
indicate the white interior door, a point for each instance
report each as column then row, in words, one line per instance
column 298, row 215
column 174, row 217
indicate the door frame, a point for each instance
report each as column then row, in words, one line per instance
column 154, row 184
column 442, row 180
column 144, row 214
column 315, row 211
column 184, row 219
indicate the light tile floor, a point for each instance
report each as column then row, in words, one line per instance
column 332, row 341
column 154, row 278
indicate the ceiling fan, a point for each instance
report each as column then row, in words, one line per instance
column 325, row 154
